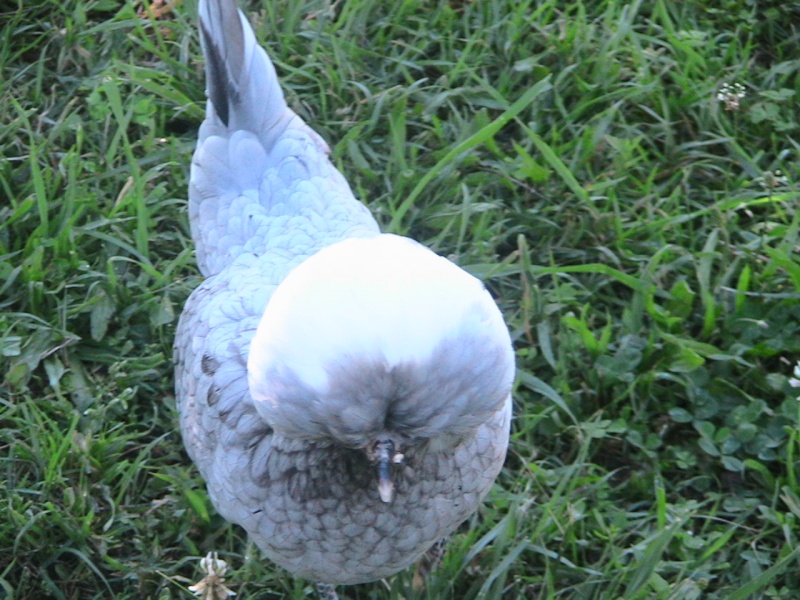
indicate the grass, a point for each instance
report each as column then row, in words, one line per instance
column 639, row 232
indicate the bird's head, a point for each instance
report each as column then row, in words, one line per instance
column 379, row 344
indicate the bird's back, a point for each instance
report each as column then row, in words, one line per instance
column 261, row 179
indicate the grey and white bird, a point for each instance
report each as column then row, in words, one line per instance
column 344, row 393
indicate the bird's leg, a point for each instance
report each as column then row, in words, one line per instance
column 326, row 591
column 428, row 564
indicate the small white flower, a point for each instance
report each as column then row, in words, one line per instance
column 212, row 586
column 731, row 95
column 772, row 179
column 795, row 381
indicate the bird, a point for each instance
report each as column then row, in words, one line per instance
column 344, row 393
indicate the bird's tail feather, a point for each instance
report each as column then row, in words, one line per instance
column 242, row 86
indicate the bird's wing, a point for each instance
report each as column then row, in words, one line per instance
column 261, row 178
column 211, row 346
column 220, row 426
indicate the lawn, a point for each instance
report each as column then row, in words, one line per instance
column 624, row 177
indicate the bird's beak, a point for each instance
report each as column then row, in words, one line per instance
column 385, row 456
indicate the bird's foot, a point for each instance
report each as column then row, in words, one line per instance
column 428, row 564
column 326, row 591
